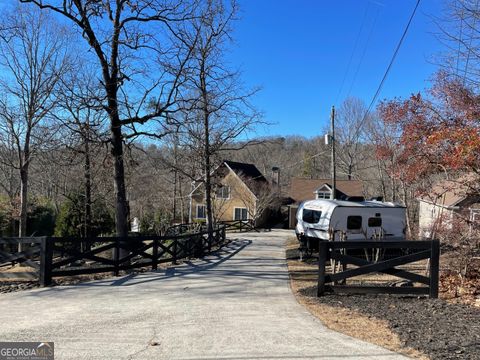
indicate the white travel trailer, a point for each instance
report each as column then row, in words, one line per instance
column 337, row 220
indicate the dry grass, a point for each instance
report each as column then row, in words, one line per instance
column 303, row 280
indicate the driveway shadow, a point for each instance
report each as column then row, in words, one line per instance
column 186, row 268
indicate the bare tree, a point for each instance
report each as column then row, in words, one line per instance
column 9, row 180
column 220, row 110
column 140, row 56
column 459, row 30
column 82, row 121
column 350, row 137
column 33, row 60
column 265, row 197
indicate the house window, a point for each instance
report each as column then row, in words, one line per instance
column 240, row 214
column 323, row 194
column 311, row 216
column 354, row 222
column 375, row 222
column 201, row 211
column 223, row 192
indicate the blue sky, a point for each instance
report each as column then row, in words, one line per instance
column 299, row 52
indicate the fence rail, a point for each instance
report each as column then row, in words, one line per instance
column 179, row 229
column 413, row 251
column 53, row 257
column 240, row 225
column 230, row 225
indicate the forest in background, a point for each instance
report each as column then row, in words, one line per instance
column 109, row 111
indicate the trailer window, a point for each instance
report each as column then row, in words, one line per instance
column 375, row 222
column 354, row 222
column 311, row 216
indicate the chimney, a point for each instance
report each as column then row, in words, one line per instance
column 276, row 178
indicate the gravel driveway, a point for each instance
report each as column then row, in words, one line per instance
column 236, row 305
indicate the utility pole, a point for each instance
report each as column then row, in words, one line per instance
column 334, row 177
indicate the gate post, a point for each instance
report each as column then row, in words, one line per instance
column 210, row 240
column 46, row 257
column 322, row 258
column 155, row 254
column 175, row 248
column 434, row 268
column 116, row 257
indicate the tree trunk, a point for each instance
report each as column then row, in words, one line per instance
column 406, row 203
column 88, row 192
column 121, row 213
column 22, row 229
column 382, row 181
column 175, row 175
column 206, row 125
column 393, row 186
column 22, row 226
column 182, row 201
column 174, row 209
column 208, row 183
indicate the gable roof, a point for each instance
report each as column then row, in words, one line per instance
column 247, row 173
column 247, row 170
column 449, row 193
column 304, row 189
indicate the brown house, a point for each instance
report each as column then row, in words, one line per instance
column 447, row 200
column 238, row 191
column 309, row 189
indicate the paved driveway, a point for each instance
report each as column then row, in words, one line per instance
column 236, row 305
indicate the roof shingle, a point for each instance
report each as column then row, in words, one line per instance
column 303, row 189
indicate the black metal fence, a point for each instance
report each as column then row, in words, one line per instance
column 51, row 257
column 406, row 252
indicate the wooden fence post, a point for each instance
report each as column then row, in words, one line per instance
column 116, row 257
column 200, row 243
column 46, row 258
column 322, row 258
column 175, row 248
column 155, row 254
column 209, row 240
column 434, row 268
column 190, row 246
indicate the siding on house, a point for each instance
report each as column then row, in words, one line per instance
column 224, row 209
column 447, row 199
column 429, row 216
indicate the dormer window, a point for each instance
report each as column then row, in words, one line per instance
column 323, row 194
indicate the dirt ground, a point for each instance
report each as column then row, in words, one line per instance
column 416, row 326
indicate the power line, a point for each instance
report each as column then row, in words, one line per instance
column 470, row 44
column 460, row 37
column 389, row 65
column 353, row 52
column 363, row 53
column 381, row 82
